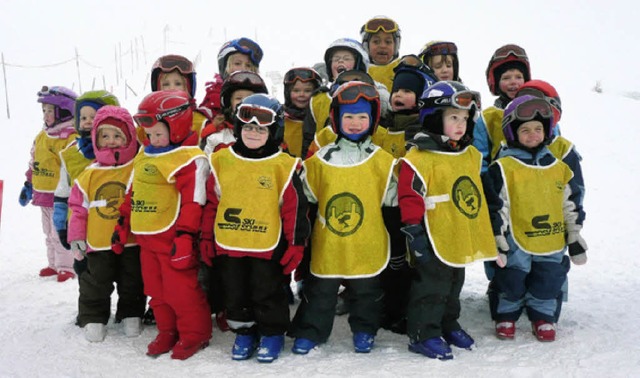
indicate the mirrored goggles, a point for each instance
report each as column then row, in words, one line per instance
column 528, row 111
column 385, row 24
column 247, row 46
column 301, row 74
column 352, row 93
column 174, row 62
column 150, row 119
column 259, row 115
column 442, row 48
column 507, row 50
column 243, row 77
column 554, row 101
column 461, row 100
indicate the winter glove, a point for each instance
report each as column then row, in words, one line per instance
column 26, row 194
column 62, row 234
column 398, row 262
column 80, row 266
column 577, row 248
column 120, row 235
column 417, row 242
column 503, row 248
column 207, row 251
column 182, row 253
column 291, row 258
column 79, row 248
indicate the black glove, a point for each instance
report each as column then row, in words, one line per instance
column 80, row 266
column 417, row 242
column 62, row 234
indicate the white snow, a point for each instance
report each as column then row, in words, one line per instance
column 571, row 46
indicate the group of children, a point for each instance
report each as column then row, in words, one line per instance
column 385, row 178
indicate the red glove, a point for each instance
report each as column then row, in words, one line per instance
column 212, row 97
column 207, row 251
column 182, row 253
column 291, row 259
column 120, row 235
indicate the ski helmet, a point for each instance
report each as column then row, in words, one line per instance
column 385, row 24
column 173, row 108
column 241, row 80
column 241, row 45
column 62, row 98
column 303, row 74
column 350, row 93
column 94, row 99
column 361, row 56
column 433, row 48
column 522, row 109
column 262, row 110
column 168, row 63
column 445, row 94
column 542, row 89
column 120, row 118
column 502, row 57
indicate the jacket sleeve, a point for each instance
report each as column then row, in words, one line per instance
column 576, row 184
column 495, row 195
column 482, row 143
column 295, row 221
column 79, row 206
column 209, row 210
column 191, row 183
column 411, row 192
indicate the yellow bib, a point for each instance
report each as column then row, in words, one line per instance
column 46, row 161
column 293, row 136
column 492, row 117
column 155, row 200
column 74, row 161
column 457, row 218
column 198, row 123
column 251, row 190
column 535, row 196
column 319, row 107
column 384, row 74
column 390, row 141
column 560, row 147
column 349, row 236
column 105, row 188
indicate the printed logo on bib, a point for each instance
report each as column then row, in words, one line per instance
column 344, row 214
column 150, row 169
column 466, row 197
column 44, row 172
column 543, row 227
column 235, row 222
column 265, row 182
column 110, row 197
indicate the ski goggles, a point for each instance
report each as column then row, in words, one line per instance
column 169, row 63
column 528, row 110
column 245, row 77
column 249, row 47
column 385, row 24
column 301, row 74
column 353, row 75
column 461, row 100
column 351, row 93
column 507, row 50
column 248, row 113
column 554, row 101
column 54, row 91
column 441, row 48
column 150, row 119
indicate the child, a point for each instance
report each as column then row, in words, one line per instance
column 442, row 57
column 351, row 181
column 532, row 234
column 236, row 87
column 164, row 206
column 508, row 69
column 446, row 218
column 44, row 172
column 77, row 156
column 299, row 84
column 381, row 39
column 257, row 210
column 94, row 200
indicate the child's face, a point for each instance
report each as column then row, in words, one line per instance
column 381, row 46
column 454, row 123
column 354, row 123
column 239, row 62
column 172, row 81
column 238, row 95
column 109, row 137
column 403, row 99
column 87, row 114
column 158, row 135
column 442, row 66
column 254, row 136
column 510, row 82
column 48, row 114
column 342, row 60
column 301, row 94
column 531, row 134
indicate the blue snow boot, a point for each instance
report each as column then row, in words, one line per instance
column 270, row 347
column 460, row 339
column 434, row 347
column 363, row 342
column 302, row 345
column 244, row 347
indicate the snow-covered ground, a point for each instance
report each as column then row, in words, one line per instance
column 598, row 333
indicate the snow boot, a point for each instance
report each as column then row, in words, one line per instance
column 48, row 272
column 303, row 346
column 363, row 342
column 506, row 330
column 243, row 347
column 162, row 344
column 64, row 275
column 132, row 327
column 543, row 330
column 221, row 321
column 187, row 348
column 460, row 339
column 148, row 318
column 434, row 347
column 270, row 347
column 95, row 332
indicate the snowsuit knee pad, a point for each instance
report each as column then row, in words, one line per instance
column 510, row 283
column 546, row 279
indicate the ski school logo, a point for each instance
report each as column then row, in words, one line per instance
column 150, row 169
column 109, row 196
column 466, row 197
column 265, row 182
column 543, row 227
column 344, row 214
column 234, row 222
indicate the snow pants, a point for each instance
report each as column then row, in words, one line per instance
column 58, row 257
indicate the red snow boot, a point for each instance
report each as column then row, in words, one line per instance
column 544, row 331
column 163, row 343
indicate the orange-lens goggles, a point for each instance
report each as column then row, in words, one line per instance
column 352, row 93
column 385, row 24
column 461, row 100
